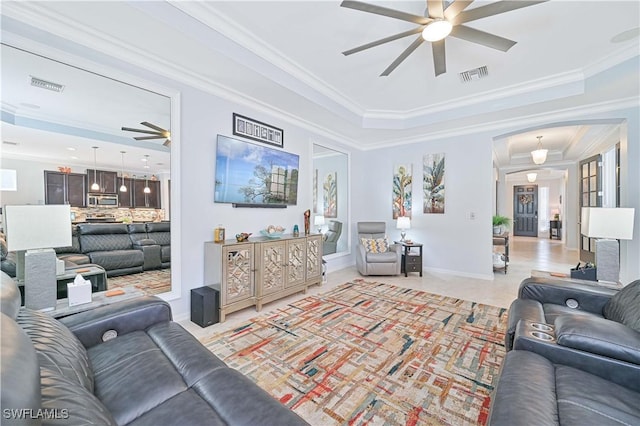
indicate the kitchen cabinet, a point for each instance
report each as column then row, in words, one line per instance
column 107, row 180
column 142, row 200
column 65, row 188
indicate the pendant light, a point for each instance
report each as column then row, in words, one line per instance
column 539, row 156
column 123, row 188
column 146, row 189
column 95, row 186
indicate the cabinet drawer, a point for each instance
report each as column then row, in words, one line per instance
column 414, row 260
column 414, row 267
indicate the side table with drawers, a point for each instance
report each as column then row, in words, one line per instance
column 411, row 257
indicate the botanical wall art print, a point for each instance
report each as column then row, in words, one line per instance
column 330, row 196
column 433, row 183
column 402, row 180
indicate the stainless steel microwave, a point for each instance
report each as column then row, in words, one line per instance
column 94, row 200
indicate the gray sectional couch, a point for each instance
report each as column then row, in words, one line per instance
column 126, row 363
column 117, row 247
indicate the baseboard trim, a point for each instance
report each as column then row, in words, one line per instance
column 459, row 274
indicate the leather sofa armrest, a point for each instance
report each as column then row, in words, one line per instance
column 122, row 317
column 590, row 298
column 599, row 336
column 145, row 242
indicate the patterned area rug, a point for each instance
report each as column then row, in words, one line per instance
column 372, row 353
column 151, row 282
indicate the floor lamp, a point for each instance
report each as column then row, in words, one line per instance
column 32, row 232
column 607, row 225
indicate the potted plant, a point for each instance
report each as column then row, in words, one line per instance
column 499, row 223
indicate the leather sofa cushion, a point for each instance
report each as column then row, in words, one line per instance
column 585, row 399
column 117, row 259
column 599, row 336
column 165, row 253
column 553, row 311
column 624, row 307
column 72, row 403
column 57, row 347
column 102, row 242
column 11, row 300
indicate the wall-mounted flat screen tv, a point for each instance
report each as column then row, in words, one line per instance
column 247, row 173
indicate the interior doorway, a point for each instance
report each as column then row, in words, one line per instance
column 525, row 210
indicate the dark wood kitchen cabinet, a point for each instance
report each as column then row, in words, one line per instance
column 142, row 200
column 107, row 180
column 65, row 188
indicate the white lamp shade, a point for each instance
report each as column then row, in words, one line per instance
column 403, row 222
column 539, row 156
column 318, row 220
column 601, row 222
column 531, row 177
column 37, row 226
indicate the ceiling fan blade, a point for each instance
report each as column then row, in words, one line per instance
column 455, row 8
column 382, row 41
column 480, row 37
column 435, row 9
column 153, row 126
column 146, row 138
column 491, row 9
column 150, row 132
column 379, row 10
column 439, row 57
column 417, row 42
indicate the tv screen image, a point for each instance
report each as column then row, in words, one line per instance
column 253, row 174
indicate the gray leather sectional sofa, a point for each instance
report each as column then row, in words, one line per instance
column 122, row 364
column 117, row 247
column 573, row 356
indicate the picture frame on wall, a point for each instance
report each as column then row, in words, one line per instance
column 257, row 130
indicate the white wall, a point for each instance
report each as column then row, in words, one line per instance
column 453, row 242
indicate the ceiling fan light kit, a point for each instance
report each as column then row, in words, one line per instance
column 442, row 19
column 437, row 30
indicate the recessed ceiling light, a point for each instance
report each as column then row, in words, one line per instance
column 70, row 148
column 73, row 157
column 626, row 35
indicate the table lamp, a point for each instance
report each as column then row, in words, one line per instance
column 403, row 223
column 607, row 225
column 319, row 221
column 33, row 231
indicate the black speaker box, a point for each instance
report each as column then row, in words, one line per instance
column 205, row 306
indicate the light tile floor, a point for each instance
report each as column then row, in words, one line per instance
column 526, row 254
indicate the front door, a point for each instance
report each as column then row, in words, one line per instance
column 525, row 210
column 590, row 196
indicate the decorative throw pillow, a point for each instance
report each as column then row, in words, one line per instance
column 624, row 307
column 57, row 347
column 378, row 245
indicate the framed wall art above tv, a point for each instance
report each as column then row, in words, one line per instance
column 257, row 130
column 252, row 174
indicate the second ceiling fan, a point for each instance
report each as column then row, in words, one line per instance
column 154, row 132
column 439, row 22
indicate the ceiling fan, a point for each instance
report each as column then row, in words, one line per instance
column 156, row 133
column 439, row 22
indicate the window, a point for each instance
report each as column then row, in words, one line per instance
column 8, row 180
column 543, row 208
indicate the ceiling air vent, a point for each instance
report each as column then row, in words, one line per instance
column 474, row 74
column 44, row 84
column 10, row 143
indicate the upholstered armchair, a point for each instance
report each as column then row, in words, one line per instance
column 374, row 254
column 331, row 237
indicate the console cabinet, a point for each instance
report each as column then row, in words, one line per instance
column 255, row 272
